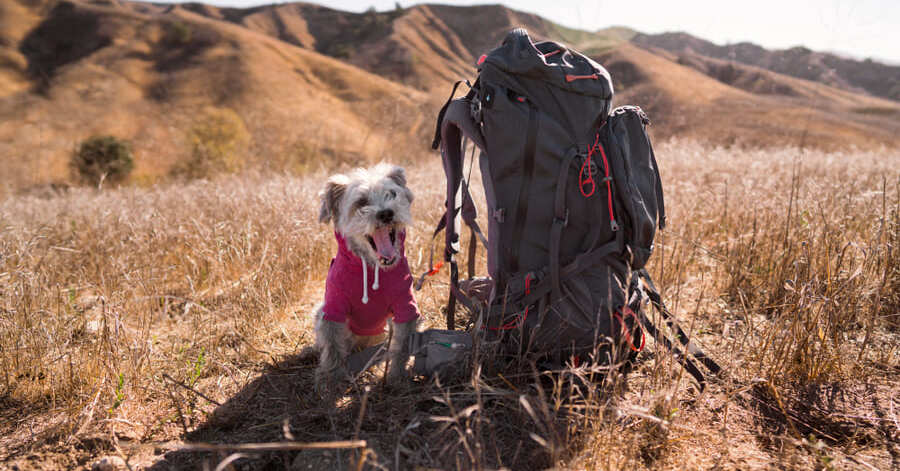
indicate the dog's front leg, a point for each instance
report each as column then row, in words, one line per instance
column 399, row 351
column 333, row 340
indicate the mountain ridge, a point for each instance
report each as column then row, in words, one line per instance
column 860, row 76
column 316, row 86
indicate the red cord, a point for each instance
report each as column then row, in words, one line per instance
column 628, row 312
column 435, row 268
column 612, row 216
column 516, row 321
column 572, row 78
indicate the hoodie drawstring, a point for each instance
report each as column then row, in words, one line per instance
column 365, row 296
column 375, row 285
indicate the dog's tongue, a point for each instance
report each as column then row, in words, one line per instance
column 382, row 238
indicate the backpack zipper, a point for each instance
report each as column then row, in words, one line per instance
column 606, row 178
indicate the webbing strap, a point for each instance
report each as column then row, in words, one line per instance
column 440, row 119
column 685, row 361
column 693, row 349
column 581, row 263
column 473, row 244
column 455, row 121
column 522, row 206
column 451, row 302
column 660, row 201
column 469, row 217
column 561, row 219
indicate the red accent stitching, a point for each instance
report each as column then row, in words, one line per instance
column 572, row 78
column 552, row 53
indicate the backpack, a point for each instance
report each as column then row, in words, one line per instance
column 574, row 199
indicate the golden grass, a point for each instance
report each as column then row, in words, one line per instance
column 784, row 264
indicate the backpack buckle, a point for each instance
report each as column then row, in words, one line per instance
column 499, row 215
column 565, row 221
column 592, row 166
column 475, row 110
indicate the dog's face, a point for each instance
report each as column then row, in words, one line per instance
column 369, row 208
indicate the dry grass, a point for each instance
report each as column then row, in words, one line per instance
column 134, row 318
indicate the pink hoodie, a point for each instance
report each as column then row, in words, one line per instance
column 385, row 293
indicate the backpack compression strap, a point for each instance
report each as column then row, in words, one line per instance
column 692, row 350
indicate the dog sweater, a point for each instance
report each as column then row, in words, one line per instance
column 365, row 308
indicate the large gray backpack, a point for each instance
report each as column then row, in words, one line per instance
column 574, row 199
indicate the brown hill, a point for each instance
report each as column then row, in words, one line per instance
column 430, row 46
column 310, row 82
column 865, row 76
column 151, row 73
column 425, row 46
column 685, row 102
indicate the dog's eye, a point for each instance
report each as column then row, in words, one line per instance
column 360, row 203
column 391, row 194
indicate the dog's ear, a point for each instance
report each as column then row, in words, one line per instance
column 398, row 175
column 331, row 197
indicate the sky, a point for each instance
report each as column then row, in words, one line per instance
column 860, row 29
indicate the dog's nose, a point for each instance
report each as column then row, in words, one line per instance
column 385, row 215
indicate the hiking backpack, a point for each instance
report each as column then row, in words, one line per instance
column 574, row 199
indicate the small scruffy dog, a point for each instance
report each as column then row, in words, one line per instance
column 369, row 280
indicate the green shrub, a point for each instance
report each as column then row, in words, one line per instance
column 179, row 34
column 102, row 159
column 218, row 141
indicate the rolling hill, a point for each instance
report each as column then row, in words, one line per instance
column 317, row 86
column 428, row 47
column 149, row 75
column 866, row 76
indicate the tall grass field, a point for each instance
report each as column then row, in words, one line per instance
column 136, row 319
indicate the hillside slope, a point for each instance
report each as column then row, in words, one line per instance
column 684, row 102
column 431, row 46
column 425, row 46
column 316, row 86
column 149, row 74
column 864, row 76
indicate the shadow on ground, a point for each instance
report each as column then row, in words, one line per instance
column 422, row 425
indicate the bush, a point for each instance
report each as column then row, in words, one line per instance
column 218, row 142
column 179, row 34
column 102, row 159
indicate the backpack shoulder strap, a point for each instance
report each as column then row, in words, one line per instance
column 455, row 123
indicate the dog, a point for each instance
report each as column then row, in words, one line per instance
column 369, row 280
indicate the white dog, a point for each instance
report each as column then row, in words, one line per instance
column 369, row 280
